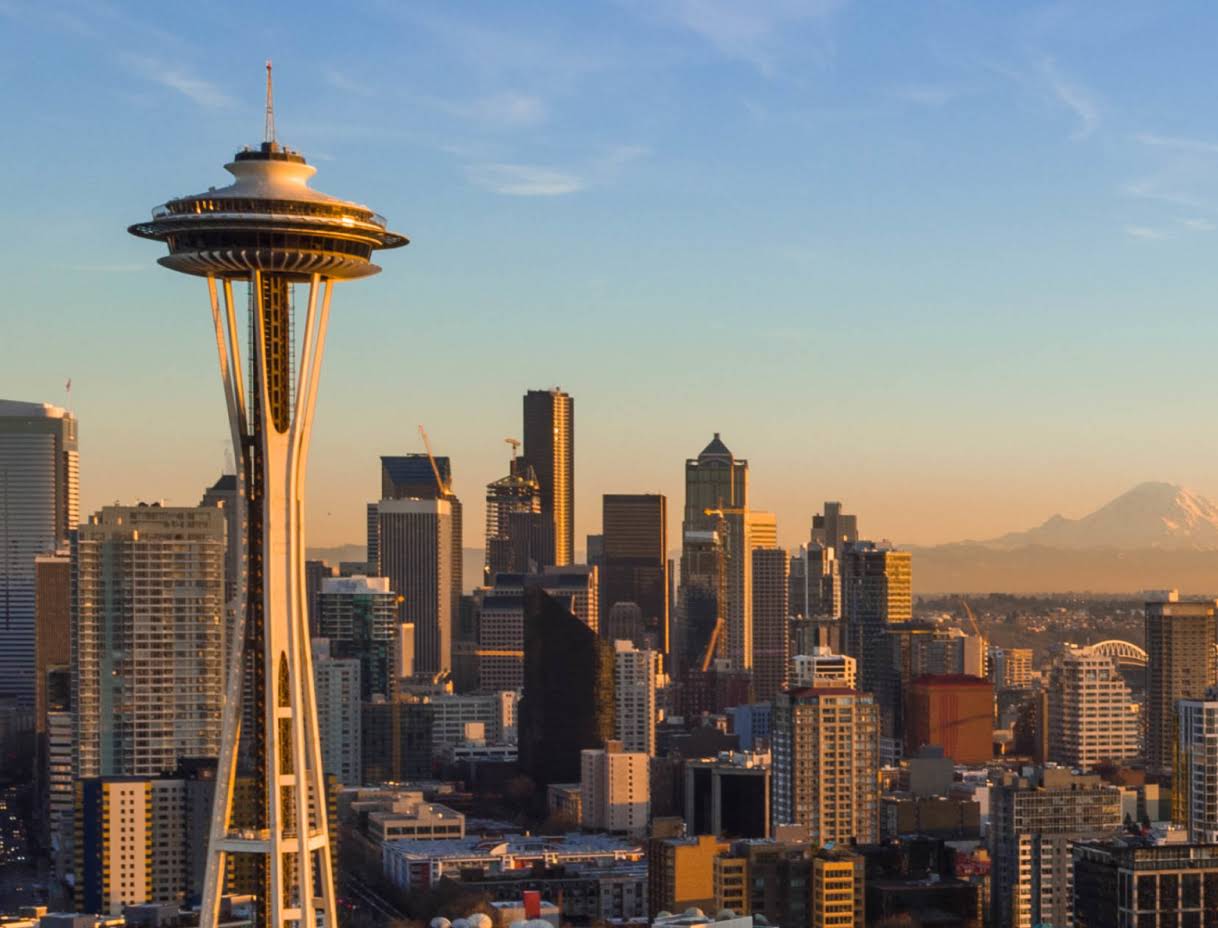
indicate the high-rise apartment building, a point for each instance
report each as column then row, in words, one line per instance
column 826, row 762
column 416, row 551
column 222, row 495
column 1194, row 795
column 954, row 712
column 1181, row 663
column 39, row 489
column 634, row 686
column 336, row 681
column 1035, row 821
column 358, row 616
column 148, row 638
column 615, row 792
column 1091, row 711
column 1012, row 668
column 549, row 449
column 771, row 626
column 837, row 889
column 634, row 560
column 833, row 529
column 517, row 494
column 1134, row 881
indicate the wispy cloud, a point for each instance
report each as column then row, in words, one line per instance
column 1198, row 225
column 524, row 180
column 1146, row 233
column 1177, row 143
column 742, row 31
column 195, row 89
column 508, row 110
column 1153, row 188
column 534, row 180
column 343, row 81
column 933, row 95
column 1072, row 96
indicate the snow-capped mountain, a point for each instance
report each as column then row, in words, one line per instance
column 1151, row 515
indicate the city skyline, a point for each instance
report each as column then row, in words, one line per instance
column 738, row 213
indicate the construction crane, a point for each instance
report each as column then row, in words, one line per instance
column 972, row 619
column 718, row 631
column 515, row 444
column 444, row 490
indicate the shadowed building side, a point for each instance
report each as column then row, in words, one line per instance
column 567, row 704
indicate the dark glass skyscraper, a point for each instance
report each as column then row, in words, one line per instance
column 549, row 448
column 634, row 561
column 568, row 691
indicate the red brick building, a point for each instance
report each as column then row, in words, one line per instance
column 953, row 711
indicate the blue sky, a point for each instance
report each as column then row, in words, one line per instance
column 950, row 263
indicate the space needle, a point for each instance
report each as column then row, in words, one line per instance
column 271, row 232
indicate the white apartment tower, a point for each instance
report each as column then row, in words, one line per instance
column 1091, row 711
column 337, row 683
column 147, row 638
column 634, row 685
column 615, row 789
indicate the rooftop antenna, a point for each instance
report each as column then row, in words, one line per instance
column 270, row 107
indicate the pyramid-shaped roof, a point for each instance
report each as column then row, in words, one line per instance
column 716, row 449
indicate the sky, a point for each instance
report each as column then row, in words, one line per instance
column 950, row 263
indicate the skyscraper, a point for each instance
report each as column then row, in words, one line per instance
column 715, row 479
column 746, row 532
column 411, row 476
column 148, row 638
column 1181, row 663
column 876, row 593
column 834, row 529
column 1091, row 711
column 39, row 487
column 416, row 553
column 634, row 562
column 568, row 702
column 518, row 492
column 549, row 448
column 826, row 763
column 771, row 632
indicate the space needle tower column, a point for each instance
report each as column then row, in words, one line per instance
column 272, row 233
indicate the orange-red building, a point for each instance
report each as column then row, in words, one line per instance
column 953, row 711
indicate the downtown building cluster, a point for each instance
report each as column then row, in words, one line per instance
column 649, row 736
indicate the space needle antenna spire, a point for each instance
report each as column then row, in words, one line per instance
column 270, row 106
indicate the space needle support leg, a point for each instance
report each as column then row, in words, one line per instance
column 310, row 747
column 234, row 394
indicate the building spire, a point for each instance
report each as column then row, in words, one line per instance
column 270, row 107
